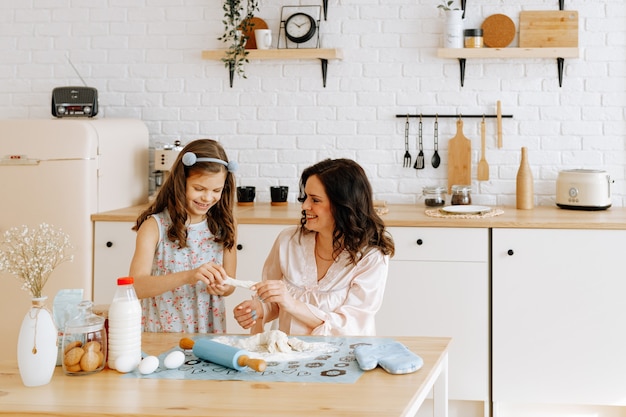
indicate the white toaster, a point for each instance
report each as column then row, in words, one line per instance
column 583, row 189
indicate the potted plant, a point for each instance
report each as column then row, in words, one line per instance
column 237, row 18
column 31, row 255
column 447, row 5
column 453, row 31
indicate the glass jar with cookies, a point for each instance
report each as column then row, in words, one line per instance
column 84, row 342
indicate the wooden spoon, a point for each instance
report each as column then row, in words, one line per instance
column 483, row 166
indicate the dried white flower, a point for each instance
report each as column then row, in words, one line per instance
column 32, row 254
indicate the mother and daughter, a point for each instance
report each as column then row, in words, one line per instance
column 325, row 276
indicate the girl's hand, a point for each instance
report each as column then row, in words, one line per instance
column 274, row 291
column 213, row 276
column 247, row 313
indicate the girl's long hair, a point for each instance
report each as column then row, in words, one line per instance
column 172, row 196
column 357, row 225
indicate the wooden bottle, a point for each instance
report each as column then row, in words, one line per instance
column 524, row 190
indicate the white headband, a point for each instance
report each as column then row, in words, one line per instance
column 190, row 158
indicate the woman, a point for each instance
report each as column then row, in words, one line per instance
column 326, row 276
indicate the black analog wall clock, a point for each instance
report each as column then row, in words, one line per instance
column 300, row 27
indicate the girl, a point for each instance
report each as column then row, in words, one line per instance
column 186, row 244
column 326, row 276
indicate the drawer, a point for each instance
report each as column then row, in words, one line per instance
column 440, row 244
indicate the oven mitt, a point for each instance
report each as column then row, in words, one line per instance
column 393, row 357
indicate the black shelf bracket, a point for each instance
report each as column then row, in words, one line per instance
column 462, row 70
column 324, row 62
column 560, row 64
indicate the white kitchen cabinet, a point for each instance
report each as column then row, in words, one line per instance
column 114, row 246
column 438, row 285
column 254, row 242
column 559, row 316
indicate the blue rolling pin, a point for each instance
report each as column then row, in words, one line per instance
column 228, row 356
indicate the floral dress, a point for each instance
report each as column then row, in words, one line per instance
column 189, row 308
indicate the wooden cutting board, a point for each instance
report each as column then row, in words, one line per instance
column 255, row 23
column 544, row 29
column 459, row 159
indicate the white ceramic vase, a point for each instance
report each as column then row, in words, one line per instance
column 453, row 30
column 37, row 345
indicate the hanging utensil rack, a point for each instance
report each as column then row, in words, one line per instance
column 456, row 116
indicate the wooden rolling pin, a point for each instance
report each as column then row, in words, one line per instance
column 221, row 354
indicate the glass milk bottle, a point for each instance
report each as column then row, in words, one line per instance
column 124, row 327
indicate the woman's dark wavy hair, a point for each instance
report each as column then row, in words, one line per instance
column 172, row 196
column 357, row 225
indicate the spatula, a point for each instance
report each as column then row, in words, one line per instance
column 483, row 166
column 419, row 160
column 407, row 155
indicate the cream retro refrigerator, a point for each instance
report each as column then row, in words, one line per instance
column 61, row 171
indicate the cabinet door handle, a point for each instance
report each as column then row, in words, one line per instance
column 510, row 252
column 239, row 246
column 109, row 244
column 419, row 242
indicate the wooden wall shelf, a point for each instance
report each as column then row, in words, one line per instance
column 508, row 53
column 323, row 54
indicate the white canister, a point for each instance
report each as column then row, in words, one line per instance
column 453, row 30
column 263, row 38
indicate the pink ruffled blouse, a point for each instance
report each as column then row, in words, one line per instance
column 346, row 299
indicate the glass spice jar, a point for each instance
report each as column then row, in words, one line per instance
column 84, row 342
column 461, row 195
column 434, row 196
column 473, row 38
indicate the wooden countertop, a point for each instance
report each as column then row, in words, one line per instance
column 107, row 393
column 413, row 215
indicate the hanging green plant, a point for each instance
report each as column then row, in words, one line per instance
column 237, row 18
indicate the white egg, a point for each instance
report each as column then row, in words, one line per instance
column 126, row 363
column 148, row 365
column 174, row 359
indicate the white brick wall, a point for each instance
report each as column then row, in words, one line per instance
column 143, row 56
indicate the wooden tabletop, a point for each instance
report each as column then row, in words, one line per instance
column 414, row 215
column 107, row 393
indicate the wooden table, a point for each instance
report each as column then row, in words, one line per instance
column 107, row 393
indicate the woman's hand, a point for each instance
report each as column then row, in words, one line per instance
column 248, row 312
column 275, row 291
